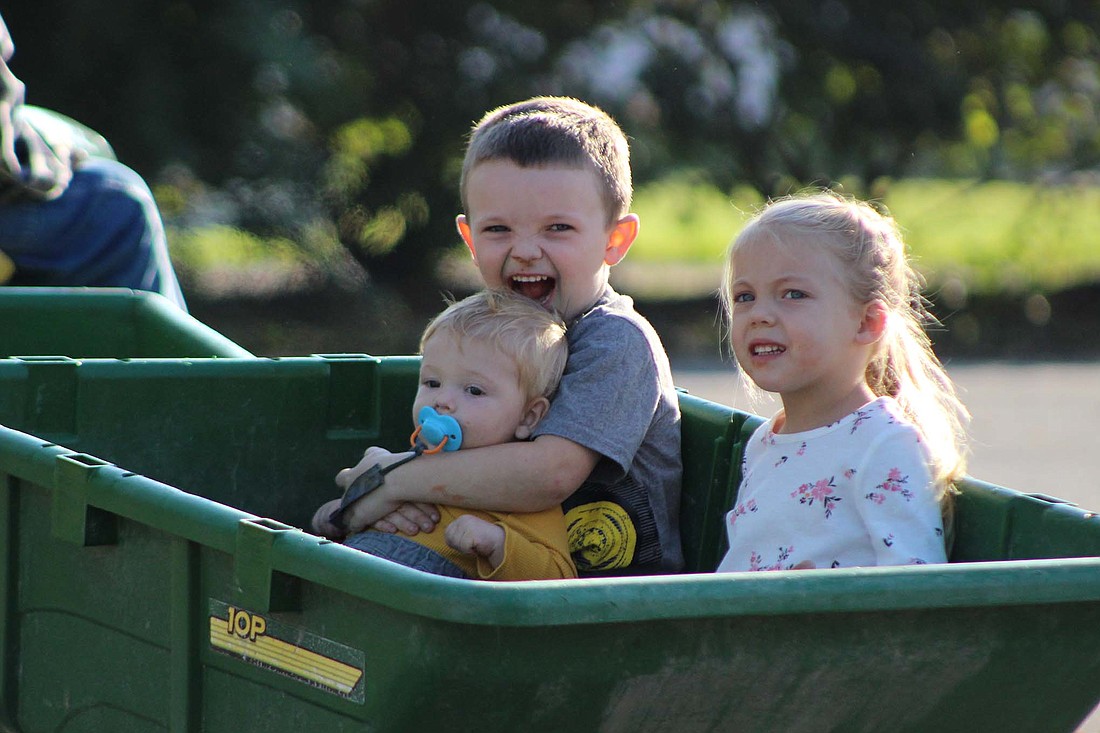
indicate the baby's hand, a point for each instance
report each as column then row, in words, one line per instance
column 410, row 518
column 473, row 536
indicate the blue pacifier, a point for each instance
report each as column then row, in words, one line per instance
column 437, row 432
column 434, row 434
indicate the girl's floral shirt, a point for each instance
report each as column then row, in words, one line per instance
column 855, row 493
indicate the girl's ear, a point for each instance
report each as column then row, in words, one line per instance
column 532, row 414
column 622, row 236
column 464, row 232
column 873, row 323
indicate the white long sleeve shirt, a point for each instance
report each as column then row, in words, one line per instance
column 858, row 492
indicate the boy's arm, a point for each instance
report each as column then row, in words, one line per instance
column 522, row 476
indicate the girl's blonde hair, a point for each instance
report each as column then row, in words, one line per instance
column 869, row 246
column 518, row 327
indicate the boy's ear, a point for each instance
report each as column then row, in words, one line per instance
column 465, row 233
column 622, row 236
column 532, row 414
column 873, row 323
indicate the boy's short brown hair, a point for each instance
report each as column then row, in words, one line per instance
column 546, row 131
column 519, row 327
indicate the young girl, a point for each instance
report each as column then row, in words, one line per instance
column 857, row 467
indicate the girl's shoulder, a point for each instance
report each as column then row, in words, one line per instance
column 879, row 420
column 886, row 427
column 881, row 412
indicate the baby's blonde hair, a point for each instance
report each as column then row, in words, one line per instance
column 869, row 246
column 519, row 327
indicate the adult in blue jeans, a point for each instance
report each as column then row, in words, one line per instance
column 71, row 215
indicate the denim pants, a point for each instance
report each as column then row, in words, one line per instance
column 404, row 551
column 104, row 231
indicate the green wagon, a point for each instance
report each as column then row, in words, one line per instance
column 152, row 579
column 103, row 323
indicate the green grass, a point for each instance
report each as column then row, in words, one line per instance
column 682, row 221
column 994, row 236
column 989, row 236
column 213, row 246
column 999, row 235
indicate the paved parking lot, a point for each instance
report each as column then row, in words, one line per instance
column 1036, row 427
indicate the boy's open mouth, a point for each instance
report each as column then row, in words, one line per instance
column 535, row 287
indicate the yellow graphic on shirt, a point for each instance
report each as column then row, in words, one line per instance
column 601, row 536
column 7, row 268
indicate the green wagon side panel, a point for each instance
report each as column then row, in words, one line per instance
column 152, row 578
column 89, row 323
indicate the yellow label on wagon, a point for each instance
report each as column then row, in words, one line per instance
column 288, row 650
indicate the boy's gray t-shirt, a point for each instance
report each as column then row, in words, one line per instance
column 617, row 398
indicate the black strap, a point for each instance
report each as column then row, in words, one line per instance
column 365, row 483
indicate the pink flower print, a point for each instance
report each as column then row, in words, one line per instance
column 801, row 449
column 756, row 560
column 876, row 497
column 895, row 484
column 741, row 510
column 862, row 416
column 784, row 554
column 820, row 491
column 849, row 473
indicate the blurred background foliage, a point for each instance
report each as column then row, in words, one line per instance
column 323, row 131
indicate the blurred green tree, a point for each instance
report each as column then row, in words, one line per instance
column 344, row 120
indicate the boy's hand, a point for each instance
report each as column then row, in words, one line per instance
column 474, row 536
column 371, row 456
column 374, row 506
column 321, row 524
